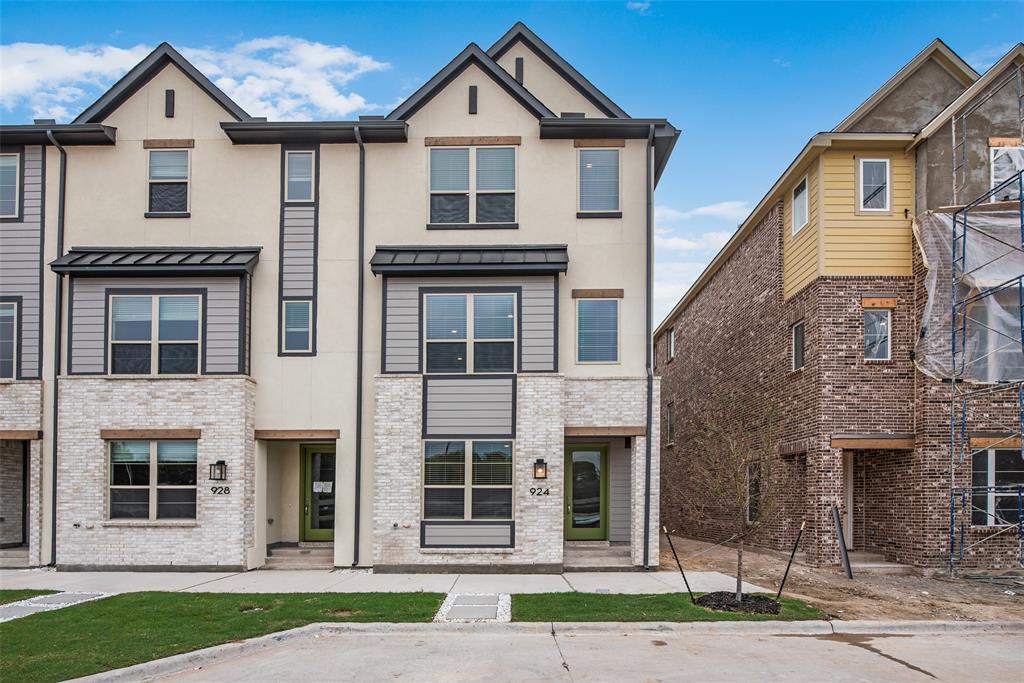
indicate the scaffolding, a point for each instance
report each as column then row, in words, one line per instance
column 986, row 361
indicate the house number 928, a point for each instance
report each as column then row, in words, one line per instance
column 220, row 490
column 539, row 491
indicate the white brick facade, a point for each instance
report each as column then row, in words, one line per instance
column 223, row 408
column 545, row 405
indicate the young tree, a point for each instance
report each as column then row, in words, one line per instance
column 730, row 468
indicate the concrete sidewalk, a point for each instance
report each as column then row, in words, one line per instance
column 365, row 581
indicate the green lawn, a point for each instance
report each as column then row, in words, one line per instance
column 138, row 627
column 15, row 595
column 664, row 607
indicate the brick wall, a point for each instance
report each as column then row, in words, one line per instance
column 223, row 408
column 12, row 492
column 21, row 407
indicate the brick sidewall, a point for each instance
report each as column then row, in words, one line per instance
column 21, row 404
column 223, row 408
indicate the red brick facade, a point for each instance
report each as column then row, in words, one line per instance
column 734, row 337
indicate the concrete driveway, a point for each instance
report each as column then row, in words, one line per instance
column 620, row 653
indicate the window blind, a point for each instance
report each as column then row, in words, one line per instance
column 132, row 316
column 493, row 316
column 179, row 318
column 8, row 185
column 168, row 165
column 599, row 180
column 598, row 330
column 492, row 463
column 495, row 168
column 449, row 170
column 446, row 316
column 445, row 463
column 129, row 451
column 176, row 452
column 300, row 176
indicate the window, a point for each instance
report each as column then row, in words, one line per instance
column 153, row 480
column 10, row 168
column 995, row 476
column 800, row 212
column 168, row 181
column 670, row 344
column 485, row 494
column 599, row 180
column 876, row 334
column 670, row 423
column 472, row 181
column 297, row 332
column 993, row 342
column 797, row 334
column 160, row 332
column 597, row 330
column 8, row 339
column 1005, row 162
column 299, row 183
column 873, row 191
column 464, row 331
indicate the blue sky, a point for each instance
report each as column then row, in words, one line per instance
column 747, row 83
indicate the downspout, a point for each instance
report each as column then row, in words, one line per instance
column 359, row 345
column 57, row 333
column 649, row 351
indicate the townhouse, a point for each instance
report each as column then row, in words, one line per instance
column 825, row 322
column 418, row 341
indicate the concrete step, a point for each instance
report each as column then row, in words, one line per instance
column 299, row 563
column 865, row 556
column 596, row 558
column 891, row 568
column 298, row 551
column 13, row 558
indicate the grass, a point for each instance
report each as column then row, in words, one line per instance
column 662, row 607
column 14, row 595
column 139, row 627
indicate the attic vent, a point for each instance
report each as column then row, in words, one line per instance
column 169, row 104
column 472, row 99
column 45, row 122
column 573, row 115
column 519, row 70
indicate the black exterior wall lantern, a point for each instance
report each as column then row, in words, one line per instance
column 218, row 471
column 540, row 469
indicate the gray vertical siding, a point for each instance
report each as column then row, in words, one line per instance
column 469, row 406
column 467, row 535
column 21, row 250
column 538, row 336
column 224, row 332
column 618, row 492
column 298, row 237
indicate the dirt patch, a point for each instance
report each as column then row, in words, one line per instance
column 867, row 596
column 338, row 612
column 724, row 601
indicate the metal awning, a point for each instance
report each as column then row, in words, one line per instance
column 157, row 261
column 544, row 259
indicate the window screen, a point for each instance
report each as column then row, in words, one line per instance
column 597, row 330
column 599, row 180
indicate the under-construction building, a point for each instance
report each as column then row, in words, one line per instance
column 874, row 297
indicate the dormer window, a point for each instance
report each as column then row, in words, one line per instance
column 168, row 183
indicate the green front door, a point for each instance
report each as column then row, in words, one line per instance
column 318, row 490
column 586, row 493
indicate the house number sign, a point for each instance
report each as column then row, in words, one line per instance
column 220, row 490
column 540, row 491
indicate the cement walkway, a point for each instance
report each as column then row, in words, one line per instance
column 365, row 581
column 808, row 651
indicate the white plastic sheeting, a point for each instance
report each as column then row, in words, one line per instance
column 988, row 328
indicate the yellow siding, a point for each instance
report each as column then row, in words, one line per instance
column 800, row 251
column 866, row 244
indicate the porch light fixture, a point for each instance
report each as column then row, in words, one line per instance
column 218, row 471
column 540, row 469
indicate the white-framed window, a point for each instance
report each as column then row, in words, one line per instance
column 873, row 185
column 8, row 339
column 995, row 475
column 597, row 330
column 1005, row 162
column 299, row 176
column 477, row 182
column 485, row 494
column 599, row 180
column 155, row 334
column 152, row 479
column 797, row 348
column 670, row 344
column 469, row 332
column 10, row 184
column 877, row 327
column 670, row 423
column 800, row 206
column 297, row 326
column 168, row 181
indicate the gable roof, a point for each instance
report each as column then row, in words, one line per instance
column 142, row 72
column 938, row 50
column 472, row 55
column 1016, row 52
column 520, row 33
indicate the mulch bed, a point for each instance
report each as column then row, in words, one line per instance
column 725, row 601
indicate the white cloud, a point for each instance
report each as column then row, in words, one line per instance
column 984, row 57
column 784, row 63
column 711, row 240
column 730, row 210
column 280, row 77
column 641, row 8
column 671, row 280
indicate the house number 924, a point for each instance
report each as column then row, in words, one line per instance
column 220, row 490
column 539, row 491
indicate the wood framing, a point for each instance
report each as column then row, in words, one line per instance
column 472, row 140
column 1004, row 142
column 599, row 143
column 21, row 434
column 298, row 434
column 606, row 431
column 117, row 434
column 597, row 294
column 888, row 302
column 168, row 144
column 899, row 442
column 979, row 441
